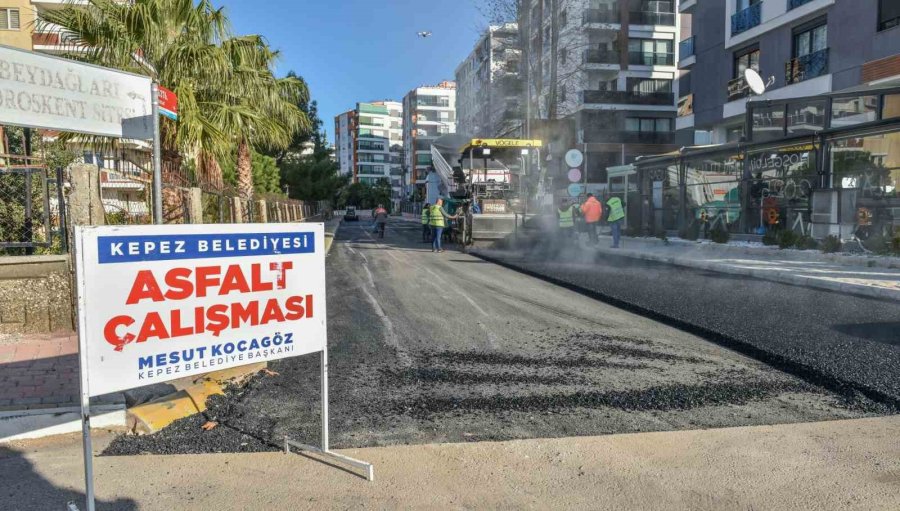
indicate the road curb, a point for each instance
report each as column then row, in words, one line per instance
column 807, row 281
column 189, row 398
column 32, row 424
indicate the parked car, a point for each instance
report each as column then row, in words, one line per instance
column 350, row 215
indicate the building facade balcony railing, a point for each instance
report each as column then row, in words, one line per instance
column 651, row 18
column 610, row 15
column 686, row 48
column 793, row 4
column 649, row 58
column 590, row 97
column 598, row 56
column 738, row 89
column 599, row 135
column 445, row 103
column 806, row 67
column 746, row 19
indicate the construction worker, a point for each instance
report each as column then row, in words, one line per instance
column 615, row 219
column 592, row 211
column 438, row 223
column 381, row 218
column 426, row 223
column 566, row 214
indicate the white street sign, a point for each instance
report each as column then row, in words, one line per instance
column 574, row 158
column 157, row 303
column 42, row 91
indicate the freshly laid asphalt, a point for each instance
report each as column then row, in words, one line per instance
column 842, row 340
column 427, row 347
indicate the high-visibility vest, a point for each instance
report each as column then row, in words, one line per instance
column 426, row 216
column 567, row 217
column 616, row 211
column 437, row 218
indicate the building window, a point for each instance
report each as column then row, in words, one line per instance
column 744, row 60
column 563, row 18
column 648, row 85
column 512, row 66
column 650, row 52
column 563, row 56
column 9, row 19
column 648, row 125
column 888, row 14
column 743, row 4
column 811, row 41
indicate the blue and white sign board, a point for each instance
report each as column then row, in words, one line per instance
column 161, row 302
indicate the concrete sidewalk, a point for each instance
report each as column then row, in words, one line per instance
column 841, row 465
column 877, row 277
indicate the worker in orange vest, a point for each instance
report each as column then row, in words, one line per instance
column 592, row 211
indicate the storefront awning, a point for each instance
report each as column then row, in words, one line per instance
column 620, row 171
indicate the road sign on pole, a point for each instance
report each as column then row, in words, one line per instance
column 168, row 103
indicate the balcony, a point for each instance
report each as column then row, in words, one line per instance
column 651, row 18
column 745, row 20
column 593, row 97
column 793, row 4
column 686, row 48
column 738, row 89
column 686, row 106
column 598, row 56
column 601, row 16
column 648, row 58
column 806, row 67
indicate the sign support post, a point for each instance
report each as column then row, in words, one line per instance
column 157, row 158
column 86, row 443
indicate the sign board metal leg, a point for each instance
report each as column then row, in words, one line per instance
column 85, row 389
column 324, row 450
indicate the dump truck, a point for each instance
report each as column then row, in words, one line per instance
column 494, row 184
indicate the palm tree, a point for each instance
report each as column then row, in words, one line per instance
column 189, row 48
column 256, row 109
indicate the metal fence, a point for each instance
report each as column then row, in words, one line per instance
column 31, row 220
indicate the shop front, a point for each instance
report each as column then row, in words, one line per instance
column 827, row 165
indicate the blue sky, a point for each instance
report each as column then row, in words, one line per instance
column 357, row 50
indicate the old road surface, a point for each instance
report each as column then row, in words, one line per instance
column 447, row 347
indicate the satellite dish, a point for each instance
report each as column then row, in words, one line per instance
column 755, row 82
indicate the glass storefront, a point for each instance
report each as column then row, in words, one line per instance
column 713, row 189
column 782, row 182
column 867, row 171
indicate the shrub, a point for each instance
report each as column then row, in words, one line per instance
column 770, row 238
column 632, row 231
column 831, row 244
column 719, row 235
column 895, row 245
column 806, row 243
column 786, row 239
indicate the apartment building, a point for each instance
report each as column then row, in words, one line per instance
column 605, row 69
column 428, row 113
column 802, row 48
column 369, row 143
column 489, row 85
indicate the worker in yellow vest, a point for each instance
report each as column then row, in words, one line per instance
column 566, row 214
column 438, row 222
column 426, row 223
column 615, row 219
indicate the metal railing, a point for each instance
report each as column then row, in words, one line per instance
column 600, row 135
column 30, row 213
column 627, row 97
column 686, row 48
column 806, row 67
column 746, row 19
column 793, row 4
column 601, row 16
column 738, row 89
column 651, row 18
column 599, row 56
column 649, row 58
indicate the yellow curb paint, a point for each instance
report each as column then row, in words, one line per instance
column 190, row 399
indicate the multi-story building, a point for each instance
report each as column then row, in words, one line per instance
column 800, row 47
column 489, row 85
column 605, row 69
column 428, row 113
column 369, row 143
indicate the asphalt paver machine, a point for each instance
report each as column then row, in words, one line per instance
column 491, row 183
